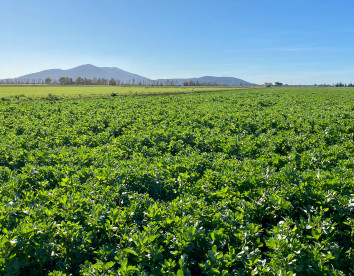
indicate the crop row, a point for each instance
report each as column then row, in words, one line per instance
column 241, row 182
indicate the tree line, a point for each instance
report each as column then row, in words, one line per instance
column 338, row 84
column 197, row 83
column 103, row 81
column 112, row 81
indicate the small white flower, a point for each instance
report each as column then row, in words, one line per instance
column 14, row 241
column 27, row 212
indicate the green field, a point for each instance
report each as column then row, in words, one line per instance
column 240, row 182
column 89, row 91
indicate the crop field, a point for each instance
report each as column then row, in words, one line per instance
column 239, row 182
column 41, row 91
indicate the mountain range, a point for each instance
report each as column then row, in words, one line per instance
column 90, row 71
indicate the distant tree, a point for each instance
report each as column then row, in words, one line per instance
column 102, row 81
column 62, row 80
column 48, row 80
column 278, row 83
column 65, row 80
column 79, row 81
column 112, row 81
column 87, row 81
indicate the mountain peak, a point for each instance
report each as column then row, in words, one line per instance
column 85, row 66
column 90, row 71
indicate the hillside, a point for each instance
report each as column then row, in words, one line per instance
column 224, row 81
column 85, row 71
column 90, row 71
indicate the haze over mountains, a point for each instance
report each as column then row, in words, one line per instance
column 227, row 81
column 90, row 71
column 85, row 71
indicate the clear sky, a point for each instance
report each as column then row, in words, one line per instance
column 294, row 42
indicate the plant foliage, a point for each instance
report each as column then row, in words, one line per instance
column 247, row 182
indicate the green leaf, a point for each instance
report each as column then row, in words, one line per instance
column 130, row 251
column 109, row 265
column 316, row 233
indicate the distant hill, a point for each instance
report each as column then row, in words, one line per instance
column 90, row 71
column 85, row 71
column 223, row 81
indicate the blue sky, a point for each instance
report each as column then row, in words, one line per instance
column 294, row 42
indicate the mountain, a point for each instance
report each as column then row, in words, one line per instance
column 90, row 71
column 85, row 71
column 223, row 81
